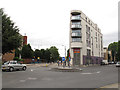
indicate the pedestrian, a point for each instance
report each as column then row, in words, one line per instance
column 58, row 62
column 65, row 62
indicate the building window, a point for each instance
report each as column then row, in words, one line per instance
column 92, row 53
column 86, row 19
column 76, row 33
column 76, row 17
column 76, row 39
column 88, row 36
column 89, row 22
column 88, row 52
column 96, row 39
column 74, row 23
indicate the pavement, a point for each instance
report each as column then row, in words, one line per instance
column 41, row 76
column 111, row 86
column 39, row 64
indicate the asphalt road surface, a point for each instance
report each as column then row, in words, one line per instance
column 44, row 77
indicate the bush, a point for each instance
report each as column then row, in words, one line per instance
column 16, row 58
column 20, row 60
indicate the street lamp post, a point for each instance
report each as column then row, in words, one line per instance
column 64, row 64
column 65, row 49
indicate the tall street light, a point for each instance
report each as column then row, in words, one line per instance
column 64, row 63
column 65, row 49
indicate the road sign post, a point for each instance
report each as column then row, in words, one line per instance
column 63, row 59
column 69, row 62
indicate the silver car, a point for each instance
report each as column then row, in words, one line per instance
column 13, row 65
column 118, row 64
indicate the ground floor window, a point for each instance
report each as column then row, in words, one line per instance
column 76, row 60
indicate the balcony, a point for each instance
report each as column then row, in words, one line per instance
column 76, row 26
column 76, row 34
column 75, row 18
column 75, row 12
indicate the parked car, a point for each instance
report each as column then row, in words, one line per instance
column 111, row 62
column 118, row 64
column 105, row 62
column 13, row 65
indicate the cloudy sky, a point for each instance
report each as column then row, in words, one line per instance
column 46, row 22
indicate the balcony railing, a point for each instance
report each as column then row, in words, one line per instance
column 76, row 34
column 75, row 18
column 76, row 26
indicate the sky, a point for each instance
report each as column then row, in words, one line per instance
column 47, row 22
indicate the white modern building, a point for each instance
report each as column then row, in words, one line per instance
column 85, row 41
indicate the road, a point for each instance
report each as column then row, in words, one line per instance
column 44, row 77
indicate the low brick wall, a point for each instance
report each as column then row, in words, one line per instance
column 28, row 60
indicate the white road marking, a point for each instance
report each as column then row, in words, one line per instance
column 30, row 78
column 31, row 70
column 92, row 73
column 86, row 73
column 22, row 80
column 98, row 72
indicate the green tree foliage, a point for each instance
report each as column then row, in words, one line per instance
column 54, row 54
column 42, row 54
column 37, row 53
column 11, row 39
column 68, row 53
column 17, row 52
column 47, row 55
column 27, row 52
column 114, row 48
column 119, row 51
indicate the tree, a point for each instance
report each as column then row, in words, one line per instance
column 54, row 54
column 119, row 50
column 42, row 54
column 47, row 55
column 114, row 48
column 11, row 39
column 17, row 52
column 37, row 53
column 27, row 52
column 68, row 53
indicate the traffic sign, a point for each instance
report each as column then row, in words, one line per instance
column 69, row 58
column 63, row 58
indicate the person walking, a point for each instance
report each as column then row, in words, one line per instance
column 58, row 62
